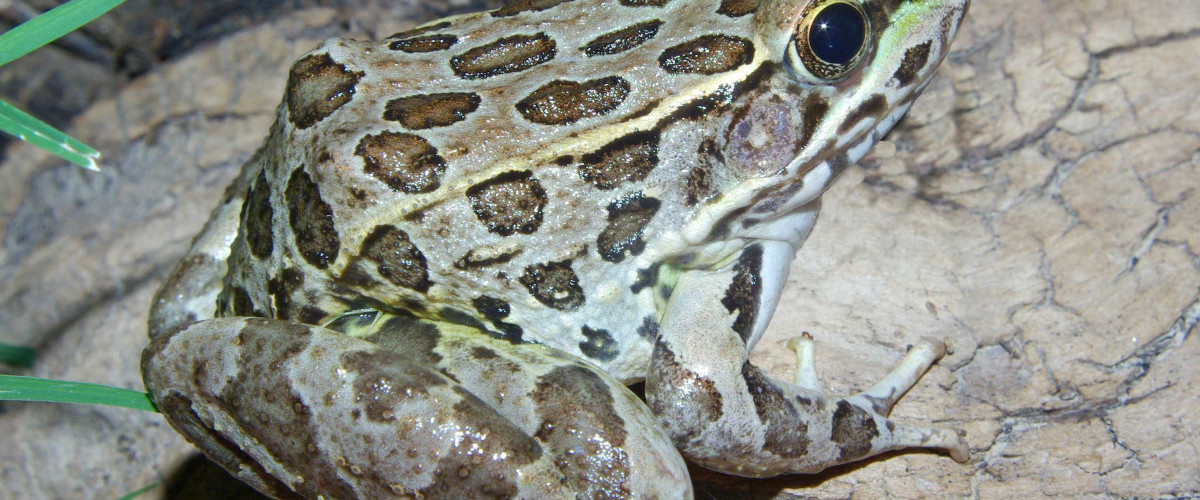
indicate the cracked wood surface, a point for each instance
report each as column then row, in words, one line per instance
column 1038, row 208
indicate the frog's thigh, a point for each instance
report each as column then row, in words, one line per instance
column 309, row 409
column 603, row 438
column 725, row 414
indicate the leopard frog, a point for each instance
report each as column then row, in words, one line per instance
column 458, row 244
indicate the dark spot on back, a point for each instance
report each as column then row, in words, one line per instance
column 431, row 43
column 506, row 55
column 622, row 40
column 311, row 220
column 628, row 159
column 431, row 110
column 554, row 284
column 396, row 258
column 598, row 344
column 509, row 203
column 316, row 87
column 707, row 55
column 644, row 3
column 627, row 220
column 257, row 213
column 405, row 162
column 649, row 328
column 737, row 8
column 563, row 102
column 476, row 258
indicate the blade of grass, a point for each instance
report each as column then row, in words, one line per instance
column 38, row 133
column 16, row 355
column 17, row 388
column 49, row 26
column 139, row 492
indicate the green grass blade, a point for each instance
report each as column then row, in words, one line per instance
column 47, row 27
column 38, row 133
column 139, row 492
column 16, row 355
column 16, row 388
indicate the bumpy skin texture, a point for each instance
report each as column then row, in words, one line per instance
column 458, row 243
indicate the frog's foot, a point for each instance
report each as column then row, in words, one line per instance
column 882, row 396
column 421, row 410
column 725, row 414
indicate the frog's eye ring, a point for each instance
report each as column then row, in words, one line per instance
column 830, row 39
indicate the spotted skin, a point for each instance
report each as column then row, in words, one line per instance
column 496, row 220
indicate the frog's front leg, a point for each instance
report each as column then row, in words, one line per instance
column 727, row 415
column 417, row 410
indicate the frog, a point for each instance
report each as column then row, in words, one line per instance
column 459, row 245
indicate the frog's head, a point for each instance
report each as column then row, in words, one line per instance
column 835, row 76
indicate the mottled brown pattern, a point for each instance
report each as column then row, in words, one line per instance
column 316, row 87
column 509, row 203
column 853, row 430
column 705, row 404
column 598, row 344
column 554, row 284
column 422, row 44
column 786, row 434
column 745, row 290
column 707, row 55
column 311, row 219
column 519, row 6
column 915, row 58
column 506, row 55
column 562, row 102
column 396, row 258
column 424, row 111
column 737, row 8
column 627, row 218
column 580, row 425
column 405, row 162
column 873, row 107
column 257, row 215
column 264, row 402
column 622, row 40
column 628, row 159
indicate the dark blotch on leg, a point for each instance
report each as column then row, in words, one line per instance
column 744, row 291
column 786, row 433
column 579, row 423
column 853, row 430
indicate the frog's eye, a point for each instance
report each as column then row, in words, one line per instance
column 830, row 39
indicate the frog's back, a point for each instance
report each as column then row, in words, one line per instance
column 494, row 170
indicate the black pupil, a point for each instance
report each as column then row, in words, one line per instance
column 837, row 33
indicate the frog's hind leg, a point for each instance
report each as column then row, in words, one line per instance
column 884, row 395
column 413, row 409
column 726, row 414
